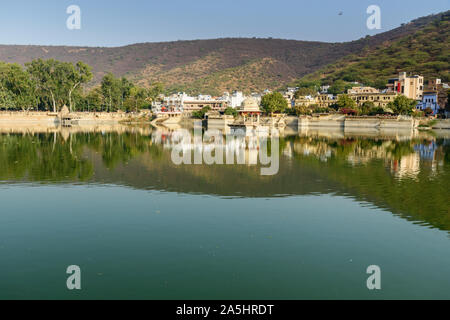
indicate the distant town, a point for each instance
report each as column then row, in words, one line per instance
column 426, row 98
column 52, row 91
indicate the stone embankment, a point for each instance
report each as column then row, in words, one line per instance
column 47, row 118
column 349, row 122
column 442, row 124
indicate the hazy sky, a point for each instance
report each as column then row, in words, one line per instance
column 114, row 23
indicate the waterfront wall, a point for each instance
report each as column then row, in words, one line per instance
column 329, row 121
column 24, row 118
column 442, row 124
column 47, row 118
column 342, row 121
column 292, row 121
column 88, row 118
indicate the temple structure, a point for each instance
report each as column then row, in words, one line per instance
column 250, row 110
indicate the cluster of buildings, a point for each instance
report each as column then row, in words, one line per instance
column 431, row 97
column 182, row 102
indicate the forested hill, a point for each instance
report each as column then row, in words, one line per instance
column 216, row 65
column 425, row 52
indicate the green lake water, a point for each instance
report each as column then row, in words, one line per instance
column 141, row 227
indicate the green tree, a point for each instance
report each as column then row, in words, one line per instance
column 137, row 98
column 47, row 74
column 366, row 107
column 58, row 79
column 345, row 102
column 155, row 90
column 338, row 87
column 6, row 99
column 230, row 112
column 111, row 90
column 17, row 82
column 302, row 110
column 305, row 92
column 77, row 75
column 94, row 99
column 125, row 90
column 201, row 114
column 379, row 84
column 402, row 105
column 313, row 85
column 274, row 103
column 377, row 111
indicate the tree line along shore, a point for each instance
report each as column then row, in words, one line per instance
column 48, row 85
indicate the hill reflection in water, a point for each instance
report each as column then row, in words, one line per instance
column 403, row 172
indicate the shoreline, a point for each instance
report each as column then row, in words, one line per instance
column 50, row 118
column 42, row 118
column 319, row 131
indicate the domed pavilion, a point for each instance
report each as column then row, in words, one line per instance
column 250, row 109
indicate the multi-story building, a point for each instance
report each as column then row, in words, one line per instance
column 434, row 84
column 198, row 104
column 410, row 86
column 441, row 89
column 378, row 99
column 175, row 101
column 321, row 100
column 183, row 102
column 305, row 101
column 236, row 99
column 325, row 100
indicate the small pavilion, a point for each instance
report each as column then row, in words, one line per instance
column 250, row 109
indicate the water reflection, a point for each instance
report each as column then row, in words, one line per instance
column 403, row 172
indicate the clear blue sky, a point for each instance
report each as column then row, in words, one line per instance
column 115, row 23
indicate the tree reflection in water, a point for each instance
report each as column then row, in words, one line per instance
column 407, row 176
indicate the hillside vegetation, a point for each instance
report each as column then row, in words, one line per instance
column 425, row 52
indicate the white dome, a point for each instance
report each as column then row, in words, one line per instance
column 250, row 105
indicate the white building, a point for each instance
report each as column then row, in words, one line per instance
column 324, row 89
column 204, row 97
column 174, row 102
column 257, row 96
column 236, row 99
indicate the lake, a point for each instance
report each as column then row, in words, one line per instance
column 113, row 202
